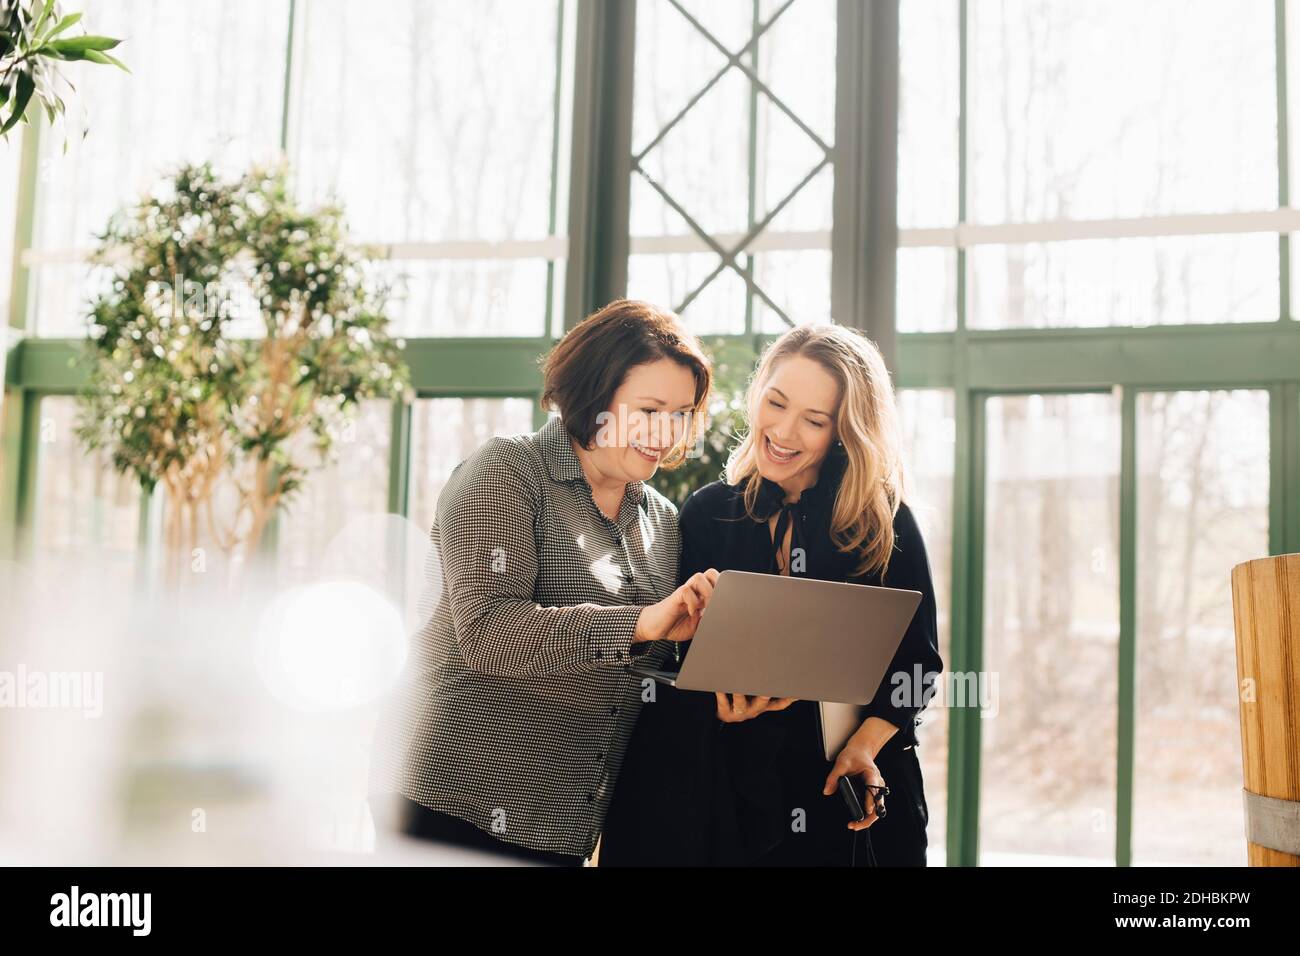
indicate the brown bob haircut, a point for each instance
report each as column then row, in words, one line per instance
column 585, row 368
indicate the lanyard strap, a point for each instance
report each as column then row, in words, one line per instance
column 788, row 516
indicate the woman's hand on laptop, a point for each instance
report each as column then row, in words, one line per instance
column 733, row 708
column 676, row 617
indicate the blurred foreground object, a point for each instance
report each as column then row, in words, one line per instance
column 199, row 725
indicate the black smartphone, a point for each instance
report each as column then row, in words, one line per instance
column 851, row 800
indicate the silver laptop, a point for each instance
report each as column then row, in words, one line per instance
column 779, row 636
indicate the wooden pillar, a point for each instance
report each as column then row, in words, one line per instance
column 1266, row 611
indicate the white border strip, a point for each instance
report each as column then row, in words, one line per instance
column 956, row 237
column 554, row 247
column 766, row 241
column 1019, row 233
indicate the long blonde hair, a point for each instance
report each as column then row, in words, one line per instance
column 866, row 421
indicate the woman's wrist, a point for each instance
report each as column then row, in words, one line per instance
column 641, row 632
column 873, row 735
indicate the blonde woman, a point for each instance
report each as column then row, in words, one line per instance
column 815, row 489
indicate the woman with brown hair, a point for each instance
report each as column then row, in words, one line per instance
column 815, row 489
column 559, row 565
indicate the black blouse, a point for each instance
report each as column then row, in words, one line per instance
column 697, row 790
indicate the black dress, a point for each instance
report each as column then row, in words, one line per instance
column 695, row 791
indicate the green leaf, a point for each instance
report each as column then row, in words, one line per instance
column 63, row 24
column 114, row 61
column 45, row 15
column 94, row 56
column 79, row 44
column 25, row 88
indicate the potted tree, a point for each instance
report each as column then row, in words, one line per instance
column 182, row 398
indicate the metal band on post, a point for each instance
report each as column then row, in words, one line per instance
column 1272, row 822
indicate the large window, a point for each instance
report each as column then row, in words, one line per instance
column 1051, row 627
column 142, row 124
column 443, row 127
column 448, row 148
column 1085, row 192
column 1119, row 163
column 1202, row 491
column 928, row 165
column 732, row 177
column 461, row 193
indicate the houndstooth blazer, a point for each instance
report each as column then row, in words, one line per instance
column 517, row 701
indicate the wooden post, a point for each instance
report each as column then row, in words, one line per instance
column 1266, row 611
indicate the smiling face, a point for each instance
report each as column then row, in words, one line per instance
column 794, row 422
column 648, row 414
